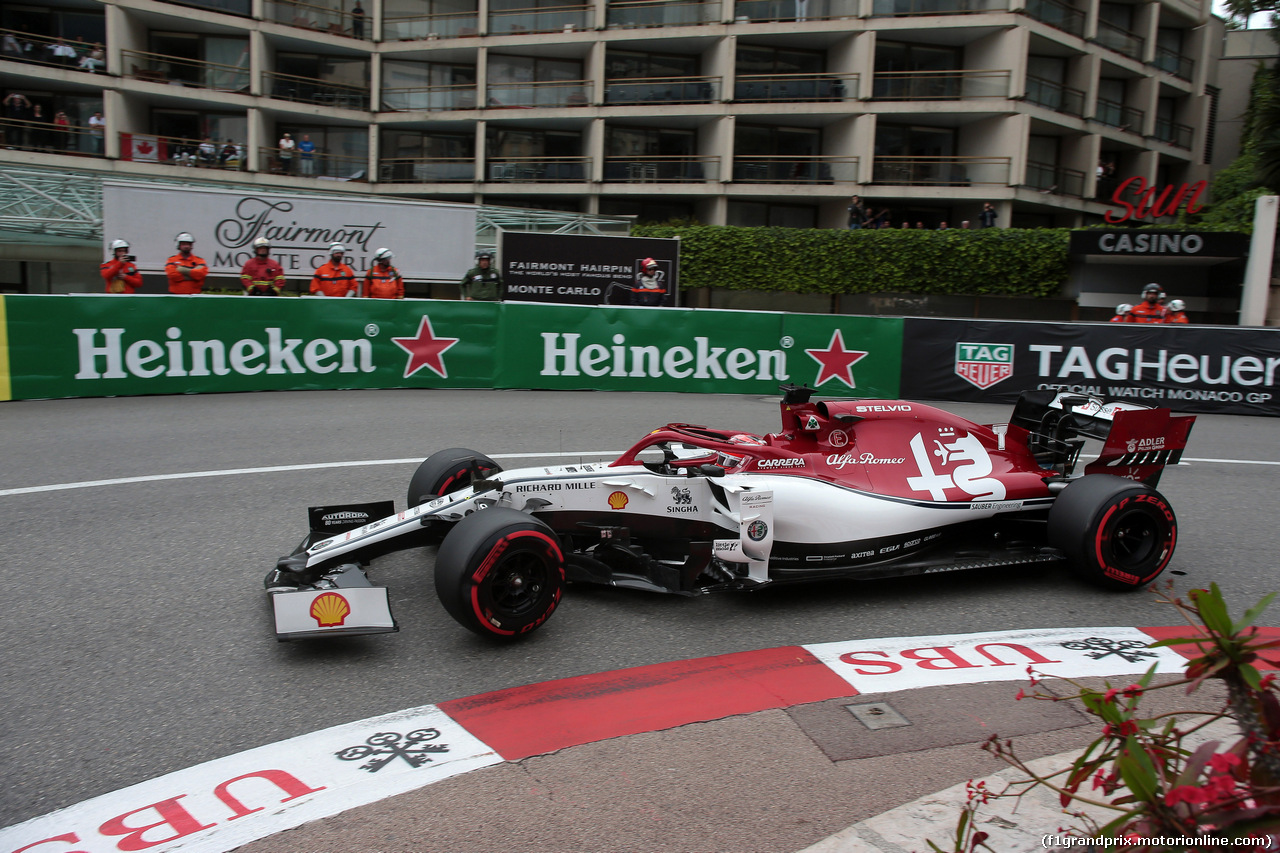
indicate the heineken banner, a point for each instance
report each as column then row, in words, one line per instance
column 575, row 269
column 1186, row 368
column 89, row 346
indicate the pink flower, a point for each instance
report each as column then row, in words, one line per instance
column 1189, row 794
column 1224, row 762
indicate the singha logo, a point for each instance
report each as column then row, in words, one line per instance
column 681, row 496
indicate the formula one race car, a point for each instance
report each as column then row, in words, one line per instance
column 850, row 489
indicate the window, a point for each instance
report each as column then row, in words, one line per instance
column 619, row 65
column 648, row 141
column 914, row 141
column 900, row 56
column 756, row 60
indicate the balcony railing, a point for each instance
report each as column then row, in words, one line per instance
column 547, row 93
column 308, row 90
column 177, row 151
column 541, row 20
column 322, row 18
column 1119, row 116
column 178, row 71
column 661, row 13
column 749, row 88
column 523, row 170
column 784, row 169
column 320, row 165
column 624, row 91
column 430, row 27
column 939, row 85
column 903, row 8
column 42, row 50
column 1056, row 180
column 427, row 170
column 941, row 171
column 794, row 10
column 456, row 97
column 1177, row 135
column 1055, row 96
column 50, row 138
column 1173, row 62
column 1120, row 40
column 661, row 169
column 1057, row 14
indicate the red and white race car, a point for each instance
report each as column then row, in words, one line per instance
column 848, row 489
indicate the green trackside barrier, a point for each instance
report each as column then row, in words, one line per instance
column 93, row 346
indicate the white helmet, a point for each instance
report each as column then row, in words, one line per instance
column 1177, row 305
column 383, row 255
column 261, row 242
column 184, row 237
column 337, row 249
column 1124, row 308
column 119, row 244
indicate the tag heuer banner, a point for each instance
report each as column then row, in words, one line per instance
column 93, row 346
column 574, row 269
column 1186, row 368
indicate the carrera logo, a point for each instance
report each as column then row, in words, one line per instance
column 1141, row 445
column 344, row 517
column 984, row 364
column 767, row 464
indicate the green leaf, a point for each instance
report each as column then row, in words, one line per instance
column 1251, row 615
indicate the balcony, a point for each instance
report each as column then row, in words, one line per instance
column 177, row 71
column 323, row 19
column 916, row 8
column 789, row 169
column 1055, row 96
column 627, row 91
column 751, row 11
column 1172, row 133
column 541, row 20
column 430, row 27
column 941, row 171
column 525, row 170
column 1119, row 116
column 1120, row 40
column 659, row 169
column 57, row 53
column 427, row 170
column 309, row 90
column 332, row 167
column 546, row 93
column 1058, row 15
column 186, row 153
column 750, row 88
column 1173, row 62
column 641, row 14
column 49, row 138
column 939, row 85
column 1056, row 180
column 454, row 97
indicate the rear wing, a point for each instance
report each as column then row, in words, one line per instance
column 1138, row 441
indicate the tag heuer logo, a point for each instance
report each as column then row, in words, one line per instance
column 984, row 365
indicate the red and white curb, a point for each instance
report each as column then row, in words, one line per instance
column 223, row 804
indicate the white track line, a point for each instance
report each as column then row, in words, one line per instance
column 276, row 469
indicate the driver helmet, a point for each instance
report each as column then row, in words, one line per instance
column 1124, row 308
column 648, row 263
column 384, row 255
column 337, row 249
column 746, row 438
column 261, row 243
column 1177, row 305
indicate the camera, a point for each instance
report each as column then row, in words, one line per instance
column 131, row 258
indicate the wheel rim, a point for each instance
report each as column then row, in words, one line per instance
column 1136, row 540
column 515, row 587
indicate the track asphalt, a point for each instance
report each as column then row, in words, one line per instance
column 849, row 747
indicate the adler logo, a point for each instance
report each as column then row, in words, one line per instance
column 765, row 464
column 1141, row 445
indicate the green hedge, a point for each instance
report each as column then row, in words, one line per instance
column 1030, row 262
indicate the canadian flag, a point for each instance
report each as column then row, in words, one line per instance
column 141, row 147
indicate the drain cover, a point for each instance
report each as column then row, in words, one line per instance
column 878, row 715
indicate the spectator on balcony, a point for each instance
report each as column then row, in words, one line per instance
column 10, row 49
column 61, row 53
column 97, row 131
column 17, row 109
column 987, row 218
column 230, row 151
column 94, row 60
column 41, row 132
column 307, row 155
column 61, row 132
column 287, row 148
column 357, row 21
column 857, row 214
column 207, row 153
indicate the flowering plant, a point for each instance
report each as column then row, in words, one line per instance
column 1148, row 771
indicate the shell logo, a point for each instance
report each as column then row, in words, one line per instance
column 330, row 610
column 617, row 500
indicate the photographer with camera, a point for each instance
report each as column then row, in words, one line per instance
column 120, row 272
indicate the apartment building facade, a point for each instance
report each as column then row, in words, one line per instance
column 738, row 112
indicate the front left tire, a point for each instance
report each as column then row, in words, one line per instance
column 447, row 471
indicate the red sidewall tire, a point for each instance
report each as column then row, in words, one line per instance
column 1116, row 533
column 447, row 471
column 500, row 573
